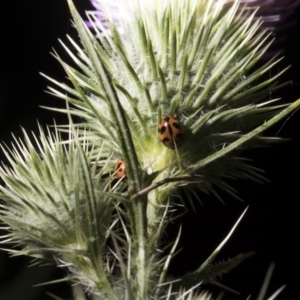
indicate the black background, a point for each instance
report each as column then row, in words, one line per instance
column 29, row 31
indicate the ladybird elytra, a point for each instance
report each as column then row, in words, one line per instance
column 170, row 132
column 120, row 169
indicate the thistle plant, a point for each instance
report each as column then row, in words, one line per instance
column 168, row 104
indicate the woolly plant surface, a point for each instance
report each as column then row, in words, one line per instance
column 197, row 62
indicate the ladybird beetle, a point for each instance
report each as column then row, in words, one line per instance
column 170, row 130
column 120, row 170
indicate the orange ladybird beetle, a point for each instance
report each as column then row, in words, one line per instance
column 170, row 130
column 120, row 170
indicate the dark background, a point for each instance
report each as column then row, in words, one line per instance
column 30, row 29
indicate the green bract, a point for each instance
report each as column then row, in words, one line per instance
column 197, row 61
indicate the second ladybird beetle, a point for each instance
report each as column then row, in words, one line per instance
column 170, row 131
column 120, row 169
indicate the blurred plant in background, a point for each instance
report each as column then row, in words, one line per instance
column 168, row 99
column 274, row 13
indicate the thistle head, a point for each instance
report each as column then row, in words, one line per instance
column 195, row 62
